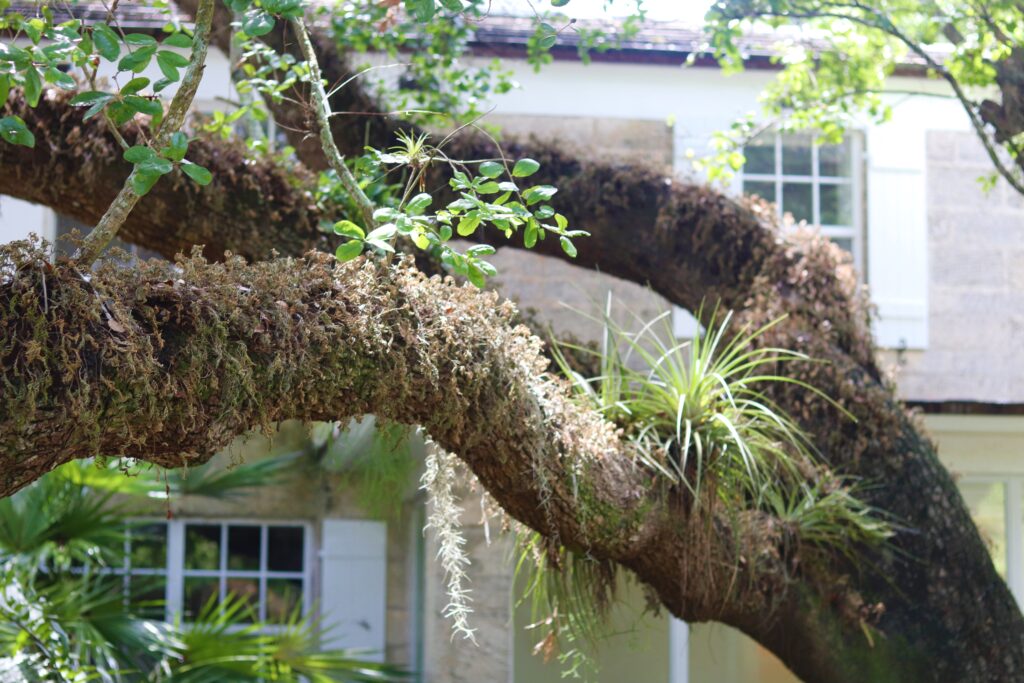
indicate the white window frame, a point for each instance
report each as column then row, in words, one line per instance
column 1013, row 525
column 176, row 573
column 855, row 232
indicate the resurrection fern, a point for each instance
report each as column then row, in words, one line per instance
column 439, row 483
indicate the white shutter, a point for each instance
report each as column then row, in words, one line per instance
column 897, row 229
column 353, row 575
column 18, row 218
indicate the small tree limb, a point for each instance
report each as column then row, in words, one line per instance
column 114, row 217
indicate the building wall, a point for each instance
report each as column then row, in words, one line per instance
column 976, row 282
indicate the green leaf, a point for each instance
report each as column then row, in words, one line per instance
column 568, row 247
column 90, row 97
column 119, row 112
column 239, row 5
column 452, row 5
column 383, row 246
column 169, row 71
column 140, row 39
column 198, row 173
column 539, row 193
column 349, row 229
column 157, row 165
column 530, row 233
column 175, row 151
column 476, row 276
column 5, row 87
column 257, row 23
column 468, row 225
column 137, row 61
column 33, row 86
column 384, row 232
column 14, row 131
column 420, row 240
column 525, row 168
column 491, row 169
column 421, row 10
column 143, row 182
column 177, row 40
column 106, row 42
column 562, row 221
column 546, row 42
column 138, row 154
column 348, row 251
column 135, row 85
column 60, row 79
column 172, row 58
column 418, row 204
column 559, row 3
column 144, row 106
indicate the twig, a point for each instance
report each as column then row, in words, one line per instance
column 118, row 211
column 323, row 113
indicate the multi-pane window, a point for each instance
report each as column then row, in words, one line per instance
column 813, row 182
column 186, row 564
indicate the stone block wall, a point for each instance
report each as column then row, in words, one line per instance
column 976, row 282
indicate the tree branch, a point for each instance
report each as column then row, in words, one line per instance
column 115, row 216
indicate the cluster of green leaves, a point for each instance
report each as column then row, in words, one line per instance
column 834, row 70
column 63, row 612
column 55, row 51
column 45, row 59
column 489, row 195
column 150, row 165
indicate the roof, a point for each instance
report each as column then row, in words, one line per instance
column 505, row 35
column 131, row 14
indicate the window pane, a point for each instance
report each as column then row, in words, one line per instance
column 796, row 155
column 762, row 189
column 198, row 592
column 285, row 549
column 283, row 596
column 796, row 199
column 836, row 204
column 146, row 594
column 835, row 160
column 844, row 243
column 248, row 592
column 760, row 154
column 202, row 546
column 985, row 502
column 149, row 546
column 244, row 547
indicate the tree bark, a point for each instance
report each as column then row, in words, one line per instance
column 948, row 616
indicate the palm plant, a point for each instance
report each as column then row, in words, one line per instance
column 63, row 611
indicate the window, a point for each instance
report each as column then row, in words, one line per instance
column 185, row 563
column 816, row 183
column 996, row 504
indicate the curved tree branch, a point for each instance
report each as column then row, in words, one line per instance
column 943, row 598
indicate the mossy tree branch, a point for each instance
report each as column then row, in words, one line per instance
column 941, row 592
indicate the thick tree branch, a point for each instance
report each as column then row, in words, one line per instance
column 943, row 598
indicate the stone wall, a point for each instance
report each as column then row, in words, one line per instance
column 976, row 282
